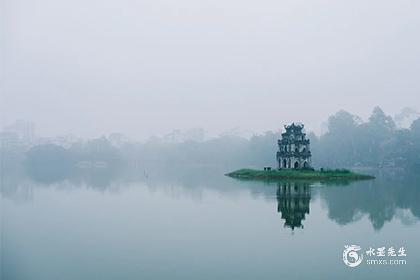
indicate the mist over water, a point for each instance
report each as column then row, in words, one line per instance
column 119, row 119
column 192, row 222
column 113, row 208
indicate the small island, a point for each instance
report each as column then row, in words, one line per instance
column 294, row 160
column 298, row 174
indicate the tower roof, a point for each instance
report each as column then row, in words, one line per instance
column 297, row 127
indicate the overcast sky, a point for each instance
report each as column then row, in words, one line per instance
column 91, row 67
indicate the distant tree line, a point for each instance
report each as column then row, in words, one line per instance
column 375, row 143
column 349, row 142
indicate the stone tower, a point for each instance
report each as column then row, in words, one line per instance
column 294, row 151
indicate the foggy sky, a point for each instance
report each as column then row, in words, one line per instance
column 91, row 67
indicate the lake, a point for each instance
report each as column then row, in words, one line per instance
column 193, row 222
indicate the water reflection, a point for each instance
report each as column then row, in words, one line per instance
column 380, row 200
column 154, row 222
column 293, row 202
column 391, row 195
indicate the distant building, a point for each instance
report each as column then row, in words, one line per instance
column 294, row 151
column 9, row 140
column 24, row 131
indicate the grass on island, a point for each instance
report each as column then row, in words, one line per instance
column 304, row 174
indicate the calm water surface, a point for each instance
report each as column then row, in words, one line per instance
column 195, row 223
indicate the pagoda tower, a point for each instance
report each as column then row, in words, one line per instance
column 294, row 151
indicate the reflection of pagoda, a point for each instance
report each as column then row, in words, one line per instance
column 293, row 202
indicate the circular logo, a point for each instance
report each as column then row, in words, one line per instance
column 351, row 257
